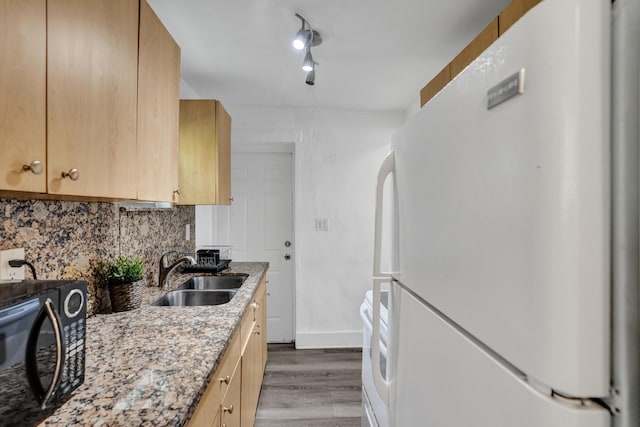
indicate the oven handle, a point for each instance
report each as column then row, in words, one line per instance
column 381, row 384
column 47, row 310
column 387, row 167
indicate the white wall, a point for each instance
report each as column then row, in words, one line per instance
column 337, row 155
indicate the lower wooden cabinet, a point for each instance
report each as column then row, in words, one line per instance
column 253, row 355
column 231, row 399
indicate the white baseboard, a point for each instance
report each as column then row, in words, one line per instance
column 339, row 339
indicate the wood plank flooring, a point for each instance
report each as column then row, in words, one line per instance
column 311, row 388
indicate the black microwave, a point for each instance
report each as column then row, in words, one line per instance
column 42, row 347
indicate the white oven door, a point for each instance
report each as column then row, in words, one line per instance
column 377, row 408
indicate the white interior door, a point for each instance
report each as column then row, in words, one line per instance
column 260, row 228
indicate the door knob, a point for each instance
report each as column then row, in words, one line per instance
column 287, row 257
column 287, row 243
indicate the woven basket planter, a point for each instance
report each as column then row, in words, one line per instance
column 125, row 297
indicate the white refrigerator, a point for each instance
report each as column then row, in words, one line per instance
column 514, row 286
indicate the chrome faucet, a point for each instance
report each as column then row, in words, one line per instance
column 166, row 269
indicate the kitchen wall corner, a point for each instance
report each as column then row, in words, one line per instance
column 62, row 238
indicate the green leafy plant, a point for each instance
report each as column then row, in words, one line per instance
column 123, row 269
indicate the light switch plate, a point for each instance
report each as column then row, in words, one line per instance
column 6, row 271
column 322, row 224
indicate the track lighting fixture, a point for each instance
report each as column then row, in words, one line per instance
column 306, row 38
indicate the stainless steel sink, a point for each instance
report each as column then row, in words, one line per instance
column 214, row 282
column 191, row 297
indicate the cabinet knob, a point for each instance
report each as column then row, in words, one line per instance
column 229, row 409
column 255, row 305
column 35, row 167
column 73, row 174
column 225, row 379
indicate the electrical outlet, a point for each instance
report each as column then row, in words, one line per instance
column 6, row 271
column 187, row 232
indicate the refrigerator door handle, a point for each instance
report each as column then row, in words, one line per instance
column 382, row 385
column 388, row 166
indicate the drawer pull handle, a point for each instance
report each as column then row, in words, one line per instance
column 73, row 174
column 225, row 379
column 35, row 167
column 229, row 409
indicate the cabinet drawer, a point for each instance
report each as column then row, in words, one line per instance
column 246, row 327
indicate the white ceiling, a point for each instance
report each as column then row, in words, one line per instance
column 376, row 54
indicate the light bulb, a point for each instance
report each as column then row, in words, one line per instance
column 298, row 42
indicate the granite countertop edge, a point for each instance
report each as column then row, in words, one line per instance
column 151, row 366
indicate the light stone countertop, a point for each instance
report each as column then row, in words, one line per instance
column 150, row 366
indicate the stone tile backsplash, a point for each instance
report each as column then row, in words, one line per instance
column 62, row 239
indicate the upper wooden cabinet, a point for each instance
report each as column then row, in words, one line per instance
column 158, row 106
column 97, row 117
column 22, row 87
column 92, row 71
column 205, row 153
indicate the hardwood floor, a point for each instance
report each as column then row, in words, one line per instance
column 311, row 388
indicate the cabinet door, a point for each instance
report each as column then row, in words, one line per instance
column 223, row 156
column 158, row 106
column 230, row 411
column 92, row 69
column 251, row 377
column 23, row 93
column 261, row 321
column 205, row 153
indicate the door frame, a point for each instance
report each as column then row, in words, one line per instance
column 274, row 148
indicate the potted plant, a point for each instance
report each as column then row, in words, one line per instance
column 123, row 276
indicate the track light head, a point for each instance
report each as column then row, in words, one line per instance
column 311, row 77
column 299, row 41
column 306, row 36
column 307, row 64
